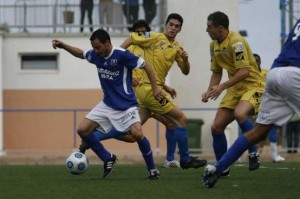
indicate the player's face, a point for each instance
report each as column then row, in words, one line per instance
column 172, row 28
column 100, row 48
column 141, row 29
column 213, row 31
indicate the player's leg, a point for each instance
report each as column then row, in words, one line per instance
column 242, row 112
column 170, row 161
column 145, row 148
column 273, row 143
column 186, row 161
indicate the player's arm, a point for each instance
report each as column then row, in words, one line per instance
column 71, row 49
column 126, row 43
column 151, row 75
column 215, row 80
column 185, row 66
column 240, row 75
column 170, row 90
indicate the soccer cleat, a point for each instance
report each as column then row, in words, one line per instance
column 108, row 165
column 153, row 174
column 278, row 158
column 253, row 161
column 210, row 176
column 171, row 164
column 225, row 173
column 83, row 146
column 194, row 162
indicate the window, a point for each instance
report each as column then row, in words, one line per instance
column 39, row 62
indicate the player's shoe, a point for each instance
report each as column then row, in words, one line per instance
column 225, row 173
column 278, row 158
column 153, row 174
column 210, row 176
column 194, row 162
column 253, row 161
column 171, row 164
column 108, row 165
column 83, row 146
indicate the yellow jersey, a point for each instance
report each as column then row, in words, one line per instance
column 138, row 51
column 232, row 54
column 159, row 52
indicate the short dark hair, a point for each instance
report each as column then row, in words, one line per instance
column 256, row 55
column 100, row 34
column 175, row 16
column 140, row 24
column 219, row 19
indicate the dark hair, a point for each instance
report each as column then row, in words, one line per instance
column 256, row 55
column 219, row 19
column 140, row 24
column 100, row 34
column 175, row 16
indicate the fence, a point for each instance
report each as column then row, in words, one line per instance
column 64, row 16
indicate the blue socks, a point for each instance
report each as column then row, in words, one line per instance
column 234, row 152
column 219, row 144
column 171, row 144
column 245, row 126
column 97, row 147
column 113, row 133
column 273, row 134
column 145, row 148
column 182, row 140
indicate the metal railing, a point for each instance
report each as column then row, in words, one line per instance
column 64, row 16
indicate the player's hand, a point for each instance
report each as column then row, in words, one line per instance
column 57, row 44
column 205, row 96
column 135, row 82
column 171, row 91
column 183, row 54
column 158, row 94
column 215, row 92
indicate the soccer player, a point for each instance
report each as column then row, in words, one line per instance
column 162, row 50
column 280, row 101
column 119, row 108
column 273, row 132
column 244, row 87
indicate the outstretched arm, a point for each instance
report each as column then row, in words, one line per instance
column 71, row 49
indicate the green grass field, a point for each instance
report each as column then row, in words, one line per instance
column 129, row 182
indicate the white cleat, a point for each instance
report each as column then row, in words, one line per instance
column 171, row 164
column 278, row 158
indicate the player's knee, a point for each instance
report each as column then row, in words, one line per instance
column 240, row 116
column 170, row 125
column 215, row 128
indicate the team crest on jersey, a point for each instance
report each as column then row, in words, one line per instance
column 114, row 62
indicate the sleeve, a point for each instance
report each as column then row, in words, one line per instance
column 239, row 50
column 88, row 55
column 144, row 39
column 213, row 64
column 132, row 61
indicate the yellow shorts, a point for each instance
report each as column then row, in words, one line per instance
column 232, row 98
column 146, row 99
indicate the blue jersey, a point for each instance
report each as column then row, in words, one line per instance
column 290, row 52
column 115, row 74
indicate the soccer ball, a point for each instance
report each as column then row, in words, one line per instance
column 77, row 163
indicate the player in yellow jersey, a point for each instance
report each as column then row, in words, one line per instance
column 162, row 50
column 244, row 87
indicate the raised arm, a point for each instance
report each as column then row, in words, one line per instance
column 126, row 43
column 71, row 49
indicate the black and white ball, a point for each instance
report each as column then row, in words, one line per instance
column 77, row 163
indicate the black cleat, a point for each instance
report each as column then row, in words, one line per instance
column 210, row 177
column 83, row 146
column 108, row 165
column 253, row 161
column 225, row 173
column 153, row 174
column 194, row 162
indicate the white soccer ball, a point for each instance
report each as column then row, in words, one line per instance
column 77, row 163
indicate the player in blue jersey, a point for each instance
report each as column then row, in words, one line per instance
column 279, row 102
column 119, row 107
